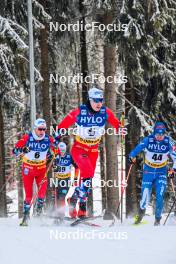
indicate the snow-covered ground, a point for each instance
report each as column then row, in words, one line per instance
column 122, row 244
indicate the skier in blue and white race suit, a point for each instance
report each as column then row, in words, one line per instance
column 156, row 147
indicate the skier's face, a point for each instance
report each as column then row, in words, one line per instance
column 62, row 152
column 96, row 105
column 40, row 131
column 159, row 137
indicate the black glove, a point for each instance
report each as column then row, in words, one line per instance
column 26, row 149
column 50, row 156
column 55, row 168
column 132, row 160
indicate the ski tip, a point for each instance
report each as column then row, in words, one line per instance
column 144, row 222
column 23, row 224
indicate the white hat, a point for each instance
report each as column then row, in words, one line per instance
column 62, row 146
column 95, row 93
column 39, row 123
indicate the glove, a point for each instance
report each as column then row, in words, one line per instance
column 171, row 173
column 26, row 149
column 132, row 160
column 16, row 151
column 55, row 168
column 50, row 156
column 57, row 138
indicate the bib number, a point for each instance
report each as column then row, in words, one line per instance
column 37, row 155
column 61, row 169
column 156, row 157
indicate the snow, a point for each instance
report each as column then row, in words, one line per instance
column 52, row 245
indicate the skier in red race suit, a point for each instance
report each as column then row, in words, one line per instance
column 90, row 120
column 36, row 150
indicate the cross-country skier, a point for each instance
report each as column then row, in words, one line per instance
column 90, row 120
column 62, row 172
column 156, row 147
column 36, row 150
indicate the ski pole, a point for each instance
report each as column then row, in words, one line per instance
column 122, row 157
column 127, row 178
column 173, row 189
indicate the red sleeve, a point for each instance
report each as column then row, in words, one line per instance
column 69, row 120
column 22, row 142
column 112, row 119
column 51, row 143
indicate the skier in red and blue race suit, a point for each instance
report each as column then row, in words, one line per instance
column 90, row 120
column 36, row 148
column 156, row 148
column 62, row 172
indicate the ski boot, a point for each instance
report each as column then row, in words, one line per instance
column 72, row 208
column 139, row 217
column 157, row 221
column 39, row 209
column 82, row 212
column 26, row 214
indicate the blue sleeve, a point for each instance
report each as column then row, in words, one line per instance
column 173, row 152
column 141, row 146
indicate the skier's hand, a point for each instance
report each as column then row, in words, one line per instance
column 57, row 139
column 55, row 168
column 171, row 173
column 16, row 151
column 50, row 156
column 26, row 149
column 132, row 160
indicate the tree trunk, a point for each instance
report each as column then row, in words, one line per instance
column 45, row 70
column 111, row 140
column 43, row 41
column 132, row 139
column 84, row 62
column 19, row 182
column 103, row 172
column 3, row 202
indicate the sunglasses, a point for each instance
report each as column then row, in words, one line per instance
column 41, row 129
column 98, row 100
column 159, row 135
column 62, row 150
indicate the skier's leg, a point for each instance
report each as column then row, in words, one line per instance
column 145, row 192
column 41, row 181
column 28, row 179
column 63, row 187
column 87, row 184
column 147, row 182
column 86, row 161
column 160, row 187
column 72, row 207
column 83, row 161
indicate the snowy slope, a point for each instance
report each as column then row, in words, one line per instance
column 62, row 245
